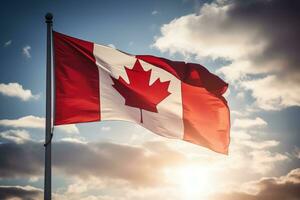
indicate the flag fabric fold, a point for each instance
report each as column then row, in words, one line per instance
column 170, row 98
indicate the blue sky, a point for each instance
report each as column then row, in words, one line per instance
column 250, row 45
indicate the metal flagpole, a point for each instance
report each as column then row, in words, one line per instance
column 48, row 130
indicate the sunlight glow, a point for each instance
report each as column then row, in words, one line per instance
column 194, row 182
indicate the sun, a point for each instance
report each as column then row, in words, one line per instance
column 194, row 182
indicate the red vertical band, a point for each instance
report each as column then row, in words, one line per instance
column 206, row 118
column 76, row 81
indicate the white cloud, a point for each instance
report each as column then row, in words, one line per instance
column 244, row 139
column 251, row 153
column 77, row 188
column 24, row 122
column 31, row 121
column 296, row 152
column 240, row 135
column 105, row 128
column 111, row 45
column 17, row 136
column 6, row 44
column 154, row 12
column 26, row 51
column 264, row 161
column 255, row 159
column 249, row 123
column 16, row 90
column 243, row 113
column 240, row 95
column 74, row 140
column 34, row 179
column 261, row 145
column 200, row 34
column 69, row 128
column 271, row 93
column 80, row 186
column 254, row 43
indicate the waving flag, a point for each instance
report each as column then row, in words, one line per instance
column 170, row 98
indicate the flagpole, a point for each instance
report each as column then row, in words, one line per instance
column 48, row 130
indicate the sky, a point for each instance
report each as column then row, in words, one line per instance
column 253, row 45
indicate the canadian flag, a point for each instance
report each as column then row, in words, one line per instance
column 173, row 99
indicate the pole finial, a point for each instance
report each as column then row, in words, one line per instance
column 49, row 17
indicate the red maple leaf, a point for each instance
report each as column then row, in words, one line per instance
column 139, row 93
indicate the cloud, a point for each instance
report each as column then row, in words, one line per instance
column 296, row 152
column 249, row 123
column 271, row 94
column 111, row 45
column 80, row 190
column 261, row 145
column 32, row 193
column 140, row 165
column 70, row 128
column 154, row 12
column 20, row 192
column 264, row 161
column 7, row 43
column 79, row 187
column 105, row 128
column 276, row 188
column 240, row 95
column 17, row 136
column 254, row 36
column 16, row 90
column 251, row 153
column 239, row 113
column 74, row 140
column 286, row 187
column 21, row 160
column 26, row 51
column 31, row 121
column 138, row 170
